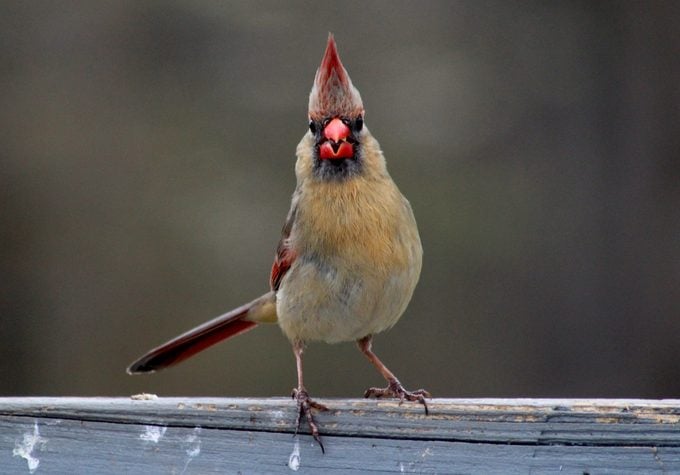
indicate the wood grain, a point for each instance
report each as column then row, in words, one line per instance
column 225, row 435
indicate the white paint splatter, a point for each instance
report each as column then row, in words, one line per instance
column 408, row 467
column 194, row 443
column 294, row 459
column 27, row 445
column 426, row 452
column 194, row 447
column 153, row 433
column 195, row 450
column 143, row 397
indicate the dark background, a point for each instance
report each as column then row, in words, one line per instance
column 147, row 153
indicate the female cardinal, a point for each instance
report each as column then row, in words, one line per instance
column 349, row 255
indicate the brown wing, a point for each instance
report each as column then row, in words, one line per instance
column 285, row 255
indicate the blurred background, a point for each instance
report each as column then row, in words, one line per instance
column 146, row 168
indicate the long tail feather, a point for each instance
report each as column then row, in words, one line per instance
column 230, row 324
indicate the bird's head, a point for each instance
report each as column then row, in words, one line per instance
column 336, row 118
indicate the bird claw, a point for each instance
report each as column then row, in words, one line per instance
column 305, row 404
column 396, row 390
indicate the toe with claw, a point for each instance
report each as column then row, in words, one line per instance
column 396, row 390
column 305, row 404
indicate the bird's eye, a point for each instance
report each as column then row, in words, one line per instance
column 359, row 124
column 312, row 126
column 346, row 122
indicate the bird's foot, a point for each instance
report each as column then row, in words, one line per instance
column 396, row 390
column 305, row 404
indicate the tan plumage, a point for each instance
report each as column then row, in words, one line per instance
column 349, row 256
column 359, row 253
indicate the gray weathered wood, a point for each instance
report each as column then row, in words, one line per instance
column 223, row 435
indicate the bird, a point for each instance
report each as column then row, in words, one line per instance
column 349, row 256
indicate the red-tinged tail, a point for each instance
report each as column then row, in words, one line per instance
column 225, row 326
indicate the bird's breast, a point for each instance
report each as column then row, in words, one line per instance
column 358, row 262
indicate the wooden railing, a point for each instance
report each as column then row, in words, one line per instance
column 223, row 435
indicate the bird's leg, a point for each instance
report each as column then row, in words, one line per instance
column 305, row 404
column 394, row 388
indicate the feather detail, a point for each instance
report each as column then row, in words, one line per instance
column 230, row 324
column 282, row 262
column 333, row 93
column 285, row 254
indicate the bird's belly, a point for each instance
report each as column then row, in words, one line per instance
column 319, row 301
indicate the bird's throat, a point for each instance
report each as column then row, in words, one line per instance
column 336, row 169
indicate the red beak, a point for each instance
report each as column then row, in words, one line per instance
column 336, row 130
column 336, row 145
